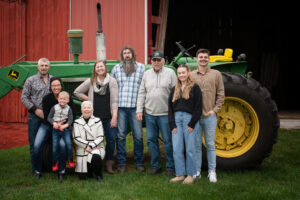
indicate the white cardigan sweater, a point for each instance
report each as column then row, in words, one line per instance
column 84, row 135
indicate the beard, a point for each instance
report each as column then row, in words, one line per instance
column 128, row 65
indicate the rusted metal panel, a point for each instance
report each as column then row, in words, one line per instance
column 123, row 24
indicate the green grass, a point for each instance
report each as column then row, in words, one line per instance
column 277, row 178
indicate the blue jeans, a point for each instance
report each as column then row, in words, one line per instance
column 208, row 127
column 34, row 123
column 126, row 115
column 153, row 125
column 44, row 134
column 66, row 136
column 110, row 135
column 183, row 139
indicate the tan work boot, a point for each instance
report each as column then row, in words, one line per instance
column 188, row 180
column 177, row 179
column 109, row 164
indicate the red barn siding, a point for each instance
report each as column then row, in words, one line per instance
column 123, row 23
column 47, row 23
column 12, row 43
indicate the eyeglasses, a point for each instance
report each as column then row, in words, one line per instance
column 58, row 85
column 156, row 59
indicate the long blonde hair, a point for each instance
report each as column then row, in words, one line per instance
column 94, row 74
column 186, row 91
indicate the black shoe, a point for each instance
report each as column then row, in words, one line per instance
column 170, row 173
column 155, row 171
column 121, row 168
column 60, row 177
column 99, row 178
column 140, row 168
column 37, row 175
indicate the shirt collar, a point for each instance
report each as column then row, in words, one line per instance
column 207, row 70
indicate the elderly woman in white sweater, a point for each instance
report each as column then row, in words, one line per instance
column 88, row 137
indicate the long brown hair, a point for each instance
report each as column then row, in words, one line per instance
column 94, row 74
column 186, row 91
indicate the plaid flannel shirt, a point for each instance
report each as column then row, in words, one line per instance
column 128, row 84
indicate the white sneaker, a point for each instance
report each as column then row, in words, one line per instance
column 212, row 176
column 197, row 175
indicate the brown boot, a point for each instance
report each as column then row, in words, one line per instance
column 109, row 164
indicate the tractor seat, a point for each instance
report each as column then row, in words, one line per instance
column 220, row 58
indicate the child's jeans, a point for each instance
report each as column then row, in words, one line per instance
column 66, row 136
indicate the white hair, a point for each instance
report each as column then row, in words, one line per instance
column 43, row 60
column 87, row 103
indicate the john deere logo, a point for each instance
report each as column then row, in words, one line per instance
column 12, row 74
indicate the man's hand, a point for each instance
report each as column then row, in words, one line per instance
column 211, row 112
column 113, row 122
column 39, row 113
column 139, row 116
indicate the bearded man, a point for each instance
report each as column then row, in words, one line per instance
column 129, row 74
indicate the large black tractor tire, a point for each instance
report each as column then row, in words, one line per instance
column 247, row 125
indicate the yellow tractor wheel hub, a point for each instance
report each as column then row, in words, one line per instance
column 237, row 128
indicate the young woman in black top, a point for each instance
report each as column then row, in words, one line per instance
column 185, row 109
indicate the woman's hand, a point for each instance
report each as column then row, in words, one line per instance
column 88, row 149
column 55, row 125
column 190, row 129
column 174, row 130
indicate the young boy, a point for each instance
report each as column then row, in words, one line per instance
column 61, row 118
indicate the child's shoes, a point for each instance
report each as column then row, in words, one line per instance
column 55, row 167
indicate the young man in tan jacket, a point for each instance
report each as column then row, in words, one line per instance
column 212, row 87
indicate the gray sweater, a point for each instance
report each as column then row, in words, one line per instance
column 155, row 90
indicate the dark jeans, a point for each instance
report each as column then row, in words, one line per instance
column 66, row 136
column 34, row 123
column 110, row 135
column 44, row 134
column 154, row 124
column 126, row 115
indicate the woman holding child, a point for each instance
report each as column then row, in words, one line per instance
column 46, row 128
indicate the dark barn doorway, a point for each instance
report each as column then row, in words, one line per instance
column 263, row 32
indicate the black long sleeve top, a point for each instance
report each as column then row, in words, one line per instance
column 193, row 105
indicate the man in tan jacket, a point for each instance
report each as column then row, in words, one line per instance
column 212, row 88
